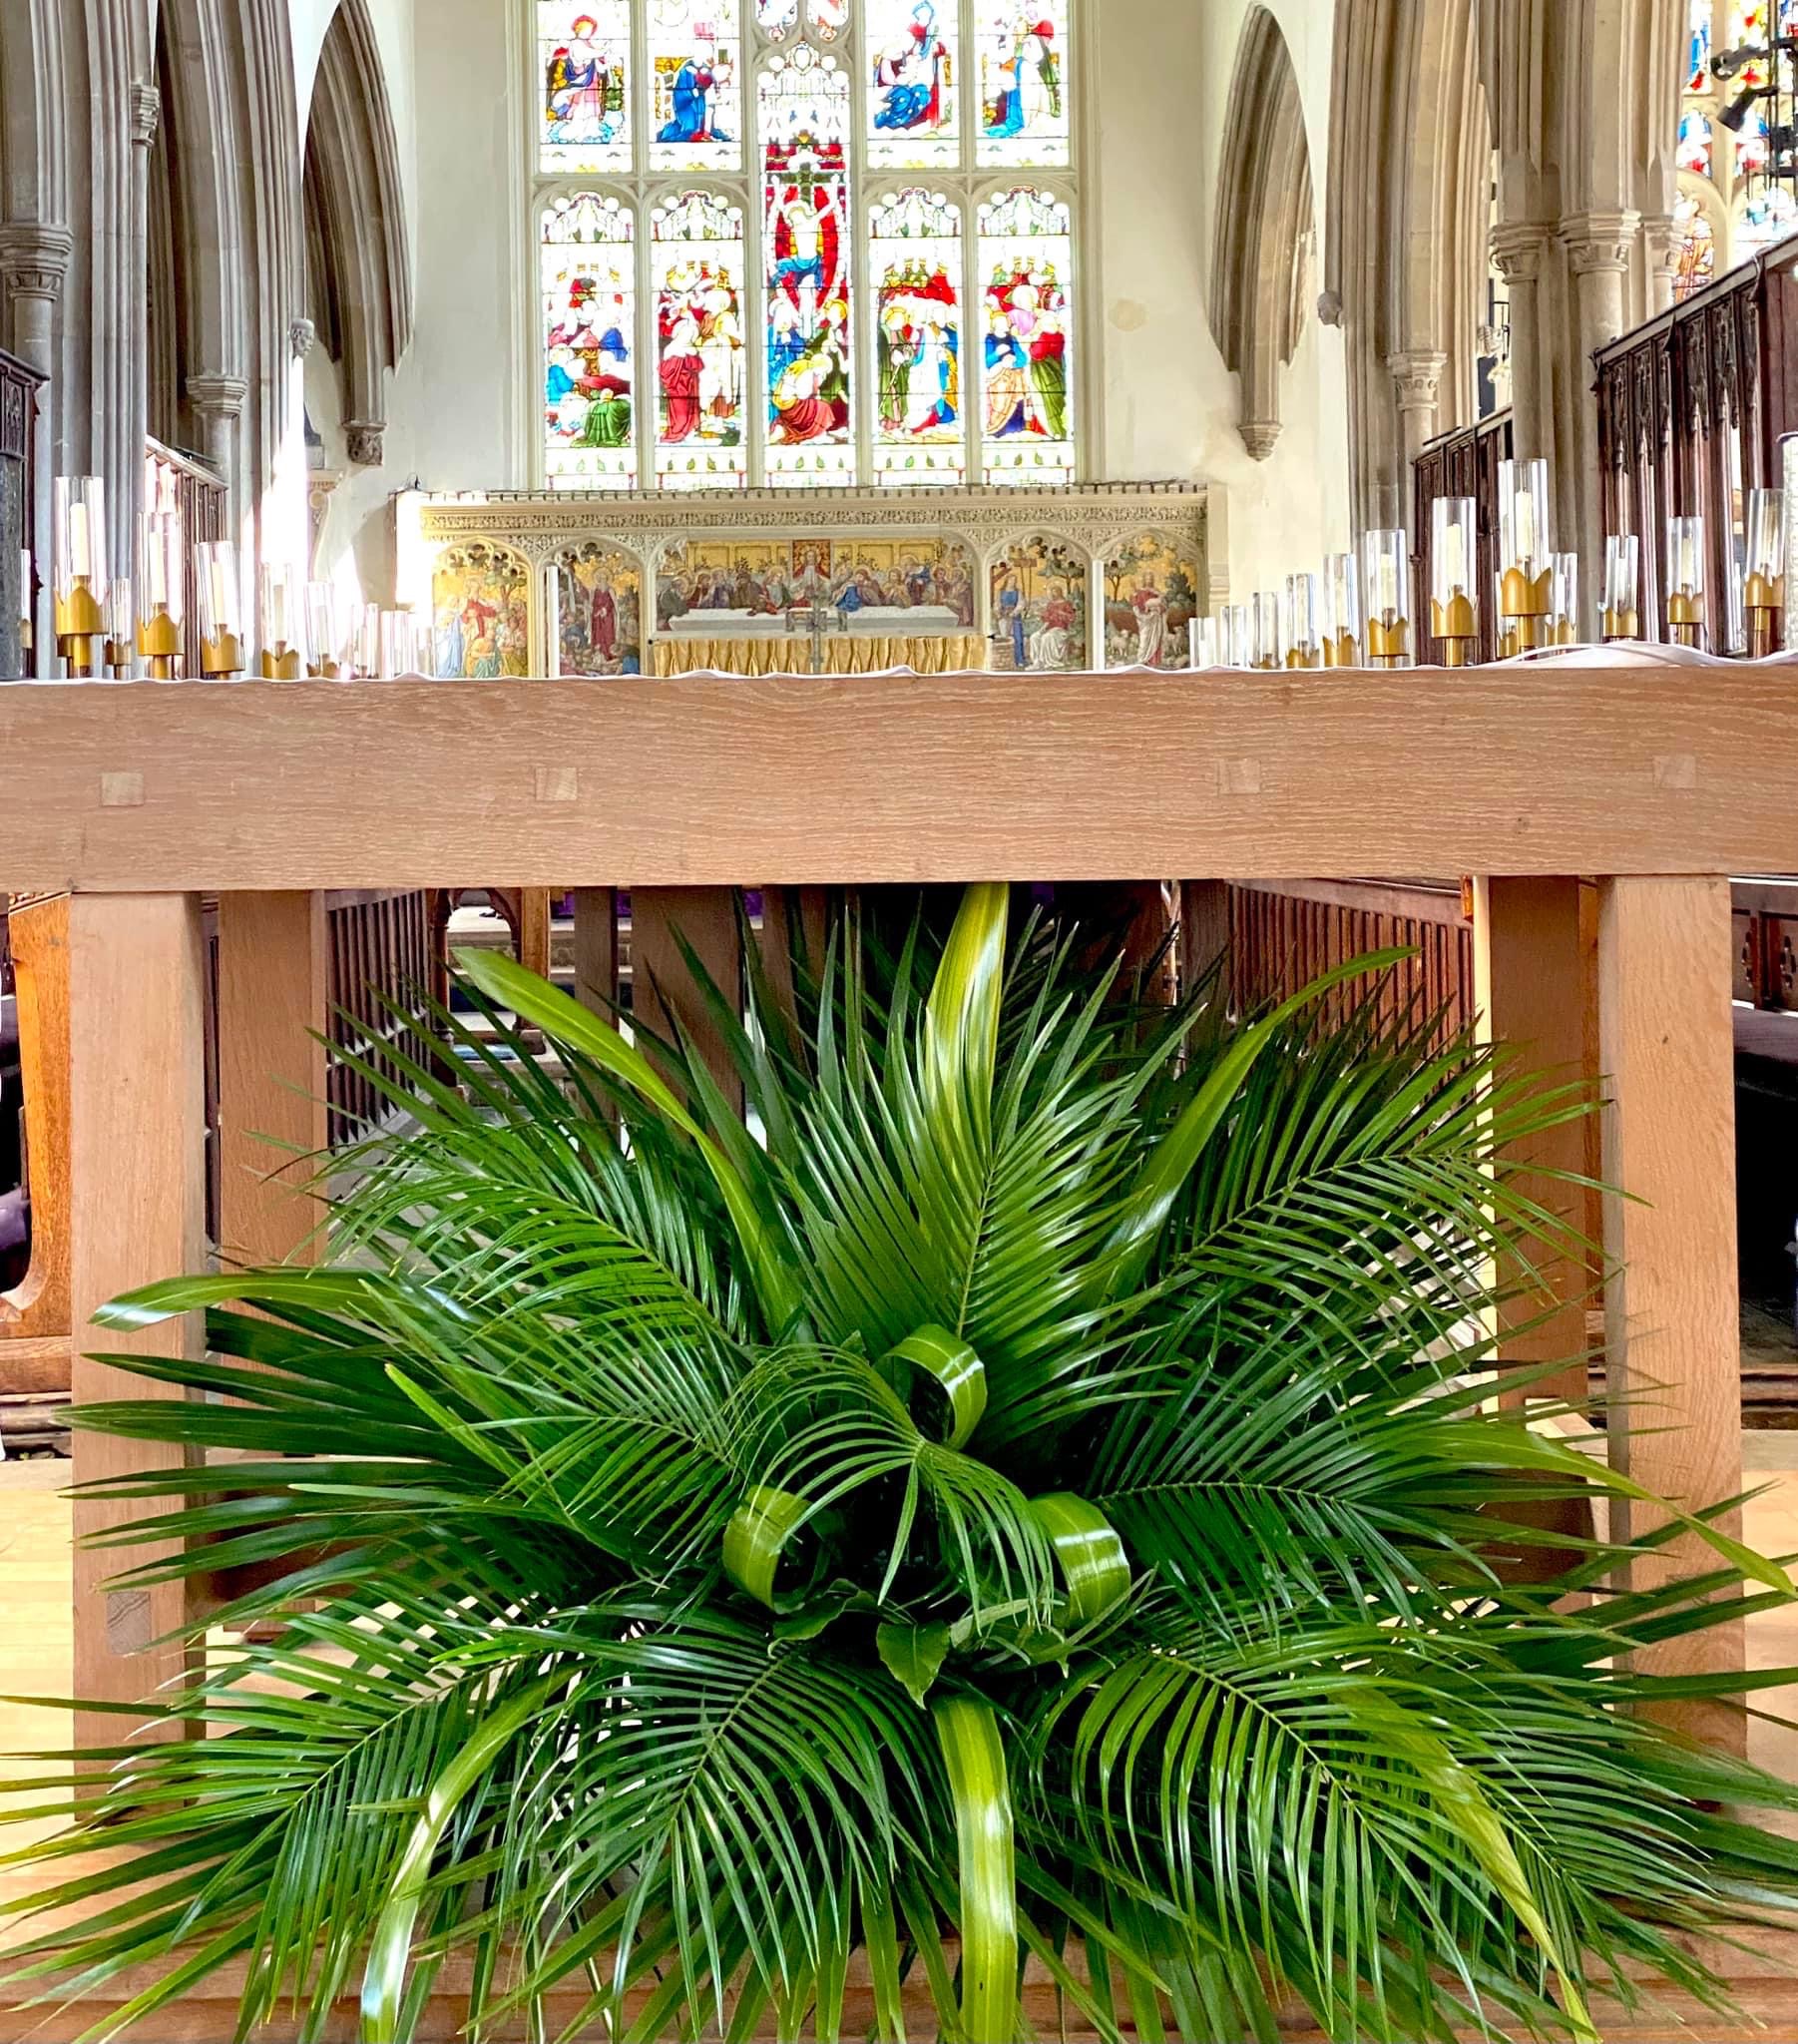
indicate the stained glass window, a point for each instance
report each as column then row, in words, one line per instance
column 1695, row 145
column 697, row 271
column 914, row 83
column 920, row 424
column 1753, row 146
column 1748, row 25
column 584, row 54
column 695, row 85
column 1770, row 216
column 699, row 334
column 1698, row 47
column 1695, row 246
column 590, row 343
column 1024, row 83
column 808, row 234
column 1026, row 261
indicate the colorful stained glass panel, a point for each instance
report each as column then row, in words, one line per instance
column 807, row 235
column 1024, row 83
column 696, row 267
column 1698, row 47
column 1025, row 259
column 1748, row 26
column 1694, row 247
column 695, row 85
column 1753, row 146
column 828, row 18
column 920, row 424
column 777, row 17
column 590, row 342
column 1694, row 145
column 914, row 84
column 1770, row 216
column 584, row 66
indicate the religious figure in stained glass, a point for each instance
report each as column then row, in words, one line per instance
column 1770, row 216
column 1025, row 253
column 479, row 613
column 912, row 108
column 1694, row 247
column 586, row 54
column 1698, row 68
column 1024, row 83
column 590, row 296
column 599, row 613
column 807, row 236
column 777, row 17
column 920, row 432
column 697, row 101
column 1039, row 592
column 697, row 262
column 1151, row 596
column 1694, row 145
column 829, row 17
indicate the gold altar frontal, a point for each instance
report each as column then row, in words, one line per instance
column 843, row 653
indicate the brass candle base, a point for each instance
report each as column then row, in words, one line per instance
column 1304, row 657
column 78, row 622
column 221, row 658
column 1621, row 624
column 325, row 671
column 119, row 654
column 160, row 643
column 281, row 663
column 1388, row 641
column 1766, row 630
column 1456, row 652
column 161, row 666
column 1685, row 619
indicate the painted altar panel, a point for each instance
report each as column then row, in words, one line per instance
column 1039, row 608
column 1151, row 588
column 931, row 580
column 599, row 620
column 480, row 613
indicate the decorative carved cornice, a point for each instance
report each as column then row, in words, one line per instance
column 34, row 258
column 1416, row 373
column 1516, row 249
column 145, row 113
column 218, row 396
column 1598, row 243
column 1259, row 436
column 365, row 441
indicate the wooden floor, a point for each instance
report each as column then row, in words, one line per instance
column 35, row 1655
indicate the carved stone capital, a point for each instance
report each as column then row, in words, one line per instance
column 1417, row 372
column 1516, row 249
column 364, row 441
column 217, row 397
column 303, row 336
column 1660, row 241
column 34, row 258
column 1259, row 436
column 146, row 112
column 1596, row 242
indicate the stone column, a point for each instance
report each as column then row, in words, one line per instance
column 1660, row 250
column 1417, row 376
column 218, row 400
column 1518, row 247
column 1599, row 246
column 34, row 258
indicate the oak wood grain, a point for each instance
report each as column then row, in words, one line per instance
column 1671, row 1308
column 664, row 993
column 137, row 1100
column 851, row 780
column 38, row 1309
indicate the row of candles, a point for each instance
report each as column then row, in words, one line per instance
column 1357, row 613
column 101, row 620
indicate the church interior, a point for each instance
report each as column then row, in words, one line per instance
column 898, row 1020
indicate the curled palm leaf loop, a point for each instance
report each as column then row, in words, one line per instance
column 1031, row 1519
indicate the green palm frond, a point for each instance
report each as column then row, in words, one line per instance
column 1040, row 1497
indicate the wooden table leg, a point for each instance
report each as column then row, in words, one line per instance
column 274, row 993
column 1671, row 1310
column 137, row 1097
column 706, row 918
column 596, row 949
column 1529, row 990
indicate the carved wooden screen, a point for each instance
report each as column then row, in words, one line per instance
column 1691, row 409
column 19, row 385
column 1463, row 463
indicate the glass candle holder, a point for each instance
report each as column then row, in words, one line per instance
column 120, row 629
column 1242, row 635
column 1201, row 644
column 1564, row 600
column 1386, row 593
column 1526, row 577
column 1685, row 581
column 1341, row 611
column 395, row 643
column 162, row 591
column 24, row 620
column 1265, row 649
column 80, row 570
column 368, row 641
column 1453, row 575
column 1621, row 613
column 328, row 656
column 283, row 623
column 1303, row 646
column 1763, row 571
column 221, row 609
